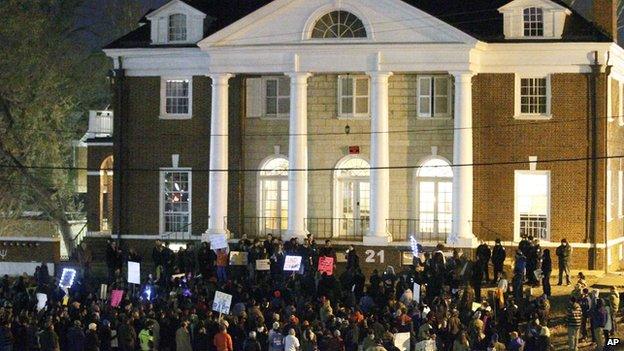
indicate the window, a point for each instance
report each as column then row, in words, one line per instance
column 532, row 97
column 277, row 97
column 352, row 197
column 609, row 205
column 434, row 184
column 533, row 22
column 339, row 25
column 273, row 199
column 177, row 27
column 176, row 98
column 434, row 96
column 353, row 96
column 175, row 201
column 532, row 205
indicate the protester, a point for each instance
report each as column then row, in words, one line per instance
column 563, row 254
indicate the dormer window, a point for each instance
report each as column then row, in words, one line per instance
column 339, row 25
column 533, row 22
column 177, row 27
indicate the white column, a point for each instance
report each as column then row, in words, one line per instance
column 380, row 161
column 298, row 156
column 461, row 234
column 218, row 176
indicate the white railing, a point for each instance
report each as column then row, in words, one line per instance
column 101, row 123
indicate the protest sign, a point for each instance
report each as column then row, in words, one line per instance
column 218, row 241
column 326, row 265
column 116, row 296
column 222, row 302
column 263, row 265
column 134, row 272
column 402, row 341
column 416, row 292
column 475, row 306
column 42, row 299
column 292, row 263
column 238, row 258
column 103, row 291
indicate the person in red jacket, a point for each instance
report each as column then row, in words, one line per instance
column 222, row 262
column 222, row 340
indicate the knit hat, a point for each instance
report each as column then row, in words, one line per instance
column 92, row 326
column 276, row 325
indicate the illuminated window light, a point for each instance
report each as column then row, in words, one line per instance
column 67, row 278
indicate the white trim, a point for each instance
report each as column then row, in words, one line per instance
column 516, row 218
column 518, row 95
column 338, row 187
column 94, row 173
column 161, row 197
column 416, row 180
column 354, row 114
column 26, row 238
column 277, row 116
column 163, row 98
column 620, row 103
column 432, row 78
column 609, row 198
column 260, row 178
column 306, row 34
column 610, row 83
column 171, row 3
column 88, row 143
column 620, row 204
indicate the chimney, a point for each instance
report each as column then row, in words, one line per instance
column 605, row 16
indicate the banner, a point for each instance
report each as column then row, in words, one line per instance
column 222, row 302
column 263, row 265
column 42, row 299
column 103, row 291
column 402, row 341
column 238, row 258
column 326, row 265
column 416, row 292
column 218, row 241
column 292, row 263
column 116, row 296
column 134, row 272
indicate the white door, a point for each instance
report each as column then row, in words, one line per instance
column 355, row 207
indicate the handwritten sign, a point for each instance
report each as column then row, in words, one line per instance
column 116, row 296
column 134, row 272
column 417, row 292
column 238, row 258
column 263, row 265
column 292, row 263
column 218, row 241
column 326, row 265
column 402, row 341
column 222, row 302
column 42, row 299
column 103, row 291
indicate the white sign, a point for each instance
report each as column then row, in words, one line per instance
column 292, row 263
column 218, row 241
column 402, row 341
column 222, row 302
column 417, row 292
column 263, row 265
column 134, row 272
column 103, row 291
column 42, row 299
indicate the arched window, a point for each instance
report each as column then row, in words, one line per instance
column 533, row 22
column 273, row 199
column 106, row 194
column 338, row 25
column 434, row 184
column 352, row 197
column 177, row 27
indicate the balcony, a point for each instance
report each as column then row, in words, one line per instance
column 100, row 124
column 338, row 228
column 261, row 227
column 430, row 231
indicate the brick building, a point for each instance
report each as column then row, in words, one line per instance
column 366, row 122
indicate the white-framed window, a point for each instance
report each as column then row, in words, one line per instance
column 620, row 203
column 176, row 98
column 175, row 200
column 434, row 187
column 273, row 195
column 276, row 97
column 353, row 96
column 533, row 22
column 177, row 28
column 434, row 96
column 609, row 204
column 532, row 204
column 338, row 25
column 533, row 95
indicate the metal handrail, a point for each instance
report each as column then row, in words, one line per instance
column 338, row 228
column 421, row 230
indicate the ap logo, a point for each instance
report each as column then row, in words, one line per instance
column 613, row 341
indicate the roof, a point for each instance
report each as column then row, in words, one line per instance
column 478, row 18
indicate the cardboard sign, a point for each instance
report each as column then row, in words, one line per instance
column 134, row 272
column 326, row 265
column 238, row 258
column 218, row 241
column 341, row 257
column 417, row 292
column 222, row 302
column 103, row 291
column 263, row 265
column 292, row 263
column 475, row 306
column 116, row 296
column 402, row 341
column 42, row 299
column 65, row 300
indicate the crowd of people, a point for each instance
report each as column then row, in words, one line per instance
column 442, row 301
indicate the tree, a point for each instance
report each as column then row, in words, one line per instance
column 51, row 76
